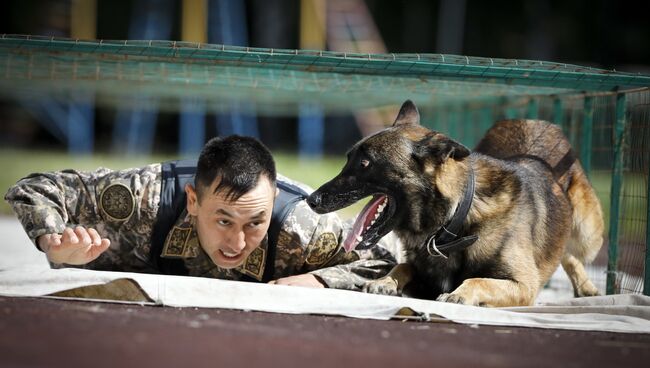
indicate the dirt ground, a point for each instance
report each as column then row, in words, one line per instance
column 39, row 332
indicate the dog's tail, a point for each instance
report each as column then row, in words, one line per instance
column 588, row 224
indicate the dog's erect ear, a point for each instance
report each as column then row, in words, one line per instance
column 440, row 148
column 408, row 114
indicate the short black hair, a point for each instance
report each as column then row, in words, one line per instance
column 237, row 161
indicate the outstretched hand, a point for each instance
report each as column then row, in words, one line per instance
column 305, row 280
column 73, row 247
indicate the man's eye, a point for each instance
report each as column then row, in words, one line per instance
column 364, row 163
column 223, row 222
column 255, row 224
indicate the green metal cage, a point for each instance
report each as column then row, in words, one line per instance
column 605, row 114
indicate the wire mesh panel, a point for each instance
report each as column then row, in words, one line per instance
column 589, row 122
column 458, row 95
column 632, row 221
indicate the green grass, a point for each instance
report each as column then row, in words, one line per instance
column 16, row 164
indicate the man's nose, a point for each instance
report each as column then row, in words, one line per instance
column 237, row 242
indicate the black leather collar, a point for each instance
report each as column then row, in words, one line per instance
column 446, row 239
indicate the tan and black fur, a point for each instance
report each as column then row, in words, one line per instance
column 532, row 209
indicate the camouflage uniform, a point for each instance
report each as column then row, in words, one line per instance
column 123, row 205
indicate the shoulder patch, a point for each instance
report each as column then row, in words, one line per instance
column 117, row 202
column 323, row 249
column 176, row 242
column 254, row 264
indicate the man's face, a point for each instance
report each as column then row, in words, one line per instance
column 230, row 231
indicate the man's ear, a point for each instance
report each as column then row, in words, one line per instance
column 408, row 114
column 439, row 147
column 192, row 200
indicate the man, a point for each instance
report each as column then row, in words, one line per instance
column 227, row 216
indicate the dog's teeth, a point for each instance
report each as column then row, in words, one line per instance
column 376, row 216
column 371, row 223
column 368, row 228
column 359, row 238
column 380, row 208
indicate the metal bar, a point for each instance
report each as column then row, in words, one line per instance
column 454, row 121
column 81, row 125
column 83, row 19
column 533, row 109
column 646, row 279
column 587, row 134
column 191, row 129
column 486, row 119
column 194, row 24
column 615, row 194
column 557, row 111
column 311, row 125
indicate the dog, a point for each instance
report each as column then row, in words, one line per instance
column 484, row 228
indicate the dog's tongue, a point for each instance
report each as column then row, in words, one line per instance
column 364, row 219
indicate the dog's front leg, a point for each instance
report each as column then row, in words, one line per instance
column 391, row 284
column 491, row 293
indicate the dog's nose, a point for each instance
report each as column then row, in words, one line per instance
column 314, row 200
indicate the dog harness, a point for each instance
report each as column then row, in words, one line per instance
column 446, row 239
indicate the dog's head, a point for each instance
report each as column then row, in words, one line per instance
column 395, row 166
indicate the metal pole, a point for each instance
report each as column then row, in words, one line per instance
column 646, row 279
column 587, row 134
column 615, row 194
column 557, row 111
column 533, row 109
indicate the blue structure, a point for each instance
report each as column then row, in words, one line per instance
column 135, row 128
column 226, row 25
column 311, row 130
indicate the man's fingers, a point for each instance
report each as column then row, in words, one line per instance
column 94, row 237
column 105, row 243
column 96, row 251
column 47, row 241
column 83, row 235
column 54, row 239
column 69, row 236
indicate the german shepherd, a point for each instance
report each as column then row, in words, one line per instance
column 484, row 228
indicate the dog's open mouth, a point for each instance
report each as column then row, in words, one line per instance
column 368, row 223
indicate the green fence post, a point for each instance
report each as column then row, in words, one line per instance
column 533, row 109
column 587, row 134
column 557, row 111
column 486, row 119
column 646, row 279
column 615, row 193
column 454, row 121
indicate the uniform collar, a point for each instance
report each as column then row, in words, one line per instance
column 182, row 242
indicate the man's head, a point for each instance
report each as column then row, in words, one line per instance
column 232, row 201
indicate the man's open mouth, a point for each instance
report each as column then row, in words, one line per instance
column 229, row 255
column 370, row 224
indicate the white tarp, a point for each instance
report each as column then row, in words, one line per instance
column 29, row 275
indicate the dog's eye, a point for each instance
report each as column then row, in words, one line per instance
column 364, row 163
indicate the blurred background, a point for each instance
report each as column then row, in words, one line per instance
column 309, row 143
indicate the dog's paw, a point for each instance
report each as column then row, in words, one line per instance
column 586, row 289
column 383, row 286
column 451, row 298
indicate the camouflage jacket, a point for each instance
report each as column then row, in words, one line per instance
column 123, row 205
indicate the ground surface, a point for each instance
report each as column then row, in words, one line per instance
column 56, row 333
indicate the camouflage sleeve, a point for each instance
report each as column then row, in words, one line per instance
column 48, row 202
column 45, row 202
column 327, row 259
column 370, row 264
